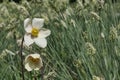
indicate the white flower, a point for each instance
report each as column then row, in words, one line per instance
column 33, row 62
column 35, row 32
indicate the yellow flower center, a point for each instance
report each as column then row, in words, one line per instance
column 34, row 32
column 34, row 60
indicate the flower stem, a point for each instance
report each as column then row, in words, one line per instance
column 35, row 78
column 21, row 56
column 42, row 73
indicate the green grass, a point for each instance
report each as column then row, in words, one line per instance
column 75, row 51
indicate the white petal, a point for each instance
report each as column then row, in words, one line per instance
column 37, row 22
column 37, row 68
column 44, row 33
column 28, row 29
column 36, row 55
column 39, row 65
column 27, row 66
column 27, row 25
column 41, row 42
column 26, row 22
column 28, row 40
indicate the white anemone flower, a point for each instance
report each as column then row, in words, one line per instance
column 35, row 32
column 33, row 62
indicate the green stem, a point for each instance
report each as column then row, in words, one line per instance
column 42, row 73
column 21, row 56
column 35, row 77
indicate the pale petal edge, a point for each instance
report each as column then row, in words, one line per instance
column 26, row 22
column 38, row 22
column 44, row 33
column 28, row 40
column 41, row 42
column 27, row 67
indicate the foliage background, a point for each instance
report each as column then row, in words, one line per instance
column 84, row 43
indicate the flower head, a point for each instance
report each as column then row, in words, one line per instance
column 90, row 48
column 35, row 32
column 33, row 62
